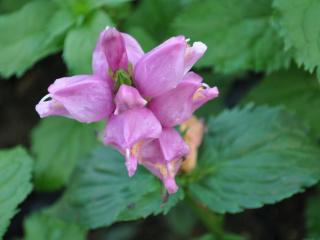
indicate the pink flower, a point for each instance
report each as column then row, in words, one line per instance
column 85, row 98
column 128, row 129
column 163, row 157
column 141, row 96
column 178, row 104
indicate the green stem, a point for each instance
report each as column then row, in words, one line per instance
column 212, row 221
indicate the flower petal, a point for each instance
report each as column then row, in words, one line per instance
column 85, row 98
column 115, row 50
column 178, row 104
column 172, row 144
column 204, row 95
column 128, row 130
column 175, row 106
column 127, row 98
column 193, row 54
column 161, row 69
column 100, row 64
column 163, row 157
column 50, row 107
column 129, row 127
column 133, row 48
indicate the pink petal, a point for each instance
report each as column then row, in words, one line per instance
column 193, row 54
column 161, row 69
column 85, row 98
column 163, row 157
column 175, row 106
column 100, row 64
column 151, row 157
column 115, row 50
column 127, row 98
column 128, row 129
column 133, row 48
column 171, row 185
column 131, row 162
column 172, row 144
column 204, row 95
column 178, row 104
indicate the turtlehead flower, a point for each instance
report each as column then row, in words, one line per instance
column 141, row 96
column 163, row 157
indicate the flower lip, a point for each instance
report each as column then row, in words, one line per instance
column 85, row 98
column 127, row 98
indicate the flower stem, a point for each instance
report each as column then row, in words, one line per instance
column 212, row 221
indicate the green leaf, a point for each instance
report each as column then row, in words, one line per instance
column 239, row 36
column 313, row 216
column 145, row 40
column 81, row 41
column 43, row 226
column 225, row 237
column 84, row 7
column 31, row 33
column 296, row 90
column 57, row 143
column 15, row 185
column 181, row 220
column 154, row 17
column 101, row 192
column 300, row 29
column 10, row 5
column 254, row 156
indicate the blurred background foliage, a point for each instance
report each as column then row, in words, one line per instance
column 263, row 55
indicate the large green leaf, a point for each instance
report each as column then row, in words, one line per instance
column 313, row 216
column 57, row 144
column 144, row 39
column 300, row 29
column 81, row 41
column 84, row 7
column 9, row 5
column 31, row 33
column 43, row 226
column 154, row 17
column 254, row 156
column 15, row 185
column 102, row 193
column 295, row 89
column 240, row 36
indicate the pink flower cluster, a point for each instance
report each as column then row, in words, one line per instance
column 142, row 96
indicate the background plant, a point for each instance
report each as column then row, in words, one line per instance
column 261, row 151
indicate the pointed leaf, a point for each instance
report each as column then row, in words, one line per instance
column 29, row 34
column 102, row 193
column 297, row 90
column 254, row 156
column 81, row 41
column 57, row 143
column 300, row 30
column 15, row 183
column 42, row 226
column 239, row 36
